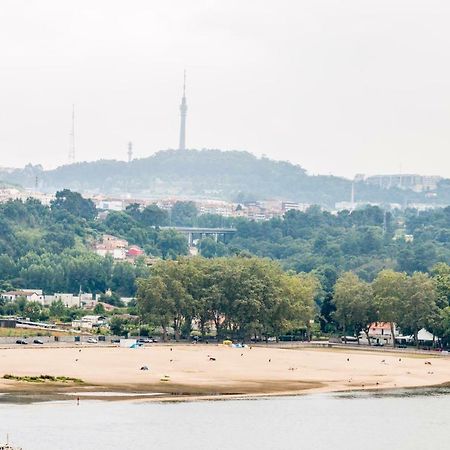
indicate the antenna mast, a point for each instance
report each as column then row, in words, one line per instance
column 72, row 138
column 130, row 152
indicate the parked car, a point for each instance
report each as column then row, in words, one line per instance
column 145, row 341
column 38, row 341
column 115, row 341
column 21, row 342
column 92, row 341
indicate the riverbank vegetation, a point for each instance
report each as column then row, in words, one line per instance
column 242, row 297
column 43, row 379
column 365, row 265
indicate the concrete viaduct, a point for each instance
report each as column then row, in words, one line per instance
column 193, row 233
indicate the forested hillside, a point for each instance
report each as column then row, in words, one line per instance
column 346, row 255
column 51, row 247
column 231, row 175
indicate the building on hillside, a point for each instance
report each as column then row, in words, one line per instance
column 257, row 211
column 417, row 183
column 217, row 207
column 134, row 251
column 110, row 204
column 113, row 246
column 127, row 300
column 68, row 300
column 86, row 300
column 36, row 295
column 288, row 206
column 426, row 206
column 31, row 295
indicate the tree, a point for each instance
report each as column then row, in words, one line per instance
column 441, row 275
column 445, row 324
column 209, row 248
column 172, row 244
column 153, row 215
column 419, row 303
column 57, row 309
column 134, row 210
column 354, row 305
column 118, row 326
column 183, row 214
column 99, row 309
column 74, row 203
column 300, row 292
column 389, row 290
column 172, row 295
column 243, row 297
column 123, row 279
column 32, row 310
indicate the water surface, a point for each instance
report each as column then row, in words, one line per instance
column 400, row 420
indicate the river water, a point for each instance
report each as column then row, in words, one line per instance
column 400, row 420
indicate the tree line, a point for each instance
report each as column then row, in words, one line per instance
column 243, row 297
column 412, row 302
column 237, row 297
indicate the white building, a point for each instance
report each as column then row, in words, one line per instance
column 89, row 322
column 381, row 333
column 31, row 295
column 68, row 300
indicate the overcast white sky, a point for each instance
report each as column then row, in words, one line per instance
column 343, row 87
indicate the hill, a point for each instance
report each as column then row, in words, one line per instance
column 230, row 175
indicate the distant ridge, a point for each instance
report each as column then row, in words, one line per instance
column 230, row 175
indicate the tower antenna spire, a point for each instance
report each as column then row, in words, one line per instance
column 130, row 151
column 72, row 138
column 183, row 114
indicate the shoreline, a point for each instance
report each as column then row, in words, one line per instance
column 18, row 397
column 205, row 372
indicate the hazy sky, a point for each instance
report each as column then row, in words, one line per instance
column 344, row 87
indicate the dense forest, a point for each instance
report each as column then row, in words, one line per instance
column 231, row 175
column 346, row 256
column 50, row 247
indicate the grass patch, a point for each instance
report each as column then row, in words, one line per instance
column 43, row 379
column 30, row 332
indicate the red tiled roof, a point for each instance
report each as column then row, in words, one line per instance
column 381, row 325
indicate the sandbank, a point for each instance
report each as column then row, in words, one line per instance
column 209, row 371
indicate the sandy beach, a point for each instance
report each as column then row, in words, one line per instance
column 211, row 370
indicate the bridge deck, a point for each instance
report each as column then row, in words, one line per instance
column 202, row 230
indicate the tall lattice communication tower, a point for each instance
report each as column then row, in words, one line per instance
column 72, row 138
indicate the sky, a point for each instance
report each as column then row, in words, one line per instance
column 338, row 87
